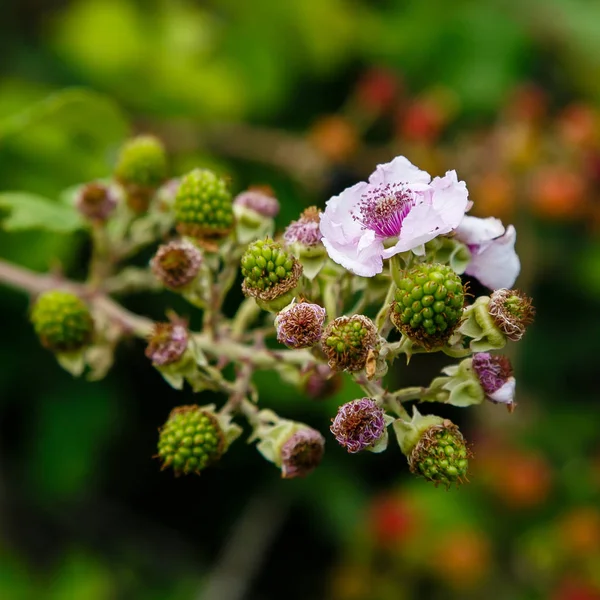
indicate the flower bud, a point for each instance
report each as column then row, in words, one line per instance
column 294, row 447
column 167, row 343
column 495, row 374
column 270, row 274
column 305, row 231
column 203, row 207
column 435, row 448
column 512, row 311
column 258, row 202
column 141, row 168
column 62, row 321
column 177, row 263
column 428, row 304
column 96, row 201
column 300, row 325
column 473, row 380
column 361, row 425
column 302, row 453
column 347, row 342
column 303, row 237
column 193, row 438
column 254, row 212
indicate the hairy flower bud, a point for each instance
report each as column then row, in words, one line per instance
column 167, row 343
column 294, row 447
column 177, row 263
column 141, row 168
column 305, row 231
column 303, row 237
column 193, row 438
column 258, row 202
column 96, row 201
column 347, row 342
column 428, row 304
column 495, row 374
column 360, row 425
column 270, row 274
column 254, row 212
column 302, row 453
column 203, row 207
column 62, row 321
column 300, row 325
column 435, row 448
column 512, row 311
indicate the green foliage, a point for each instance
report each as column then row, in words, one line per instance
column 23, row 210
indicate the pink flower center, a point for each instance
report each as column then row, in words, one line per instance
column 383, row 209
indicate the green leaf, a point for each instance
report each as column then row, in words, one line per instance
column 20, row 211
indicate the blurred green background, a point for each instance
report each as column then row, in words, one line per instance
column 307, row 96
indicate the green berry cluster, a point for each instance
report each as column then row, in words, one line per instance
column 441, row 455
column 270, row 274
column 266, row 264
column 429, row 302
column 62, row 321
column 190, row 440
column 347, row 342
column 203, row 206
column 142, row 162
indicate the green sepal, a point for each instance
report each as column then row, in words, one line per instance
column 408, row 433
column 461, row 386
column 273, row 432
column 478, row 325
column 72, row 362
column 250, row 225
column 448, row 251
column 312, row 258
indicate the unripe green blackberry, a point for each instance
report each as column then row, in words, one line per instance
column 428, row 305
column 203, row 207
column 270, row 274
column 141, row 168
column 441, row 455
column 62, row 321
column 347, row 342
column 142, row 162
column 435, row 448
column 191, row 440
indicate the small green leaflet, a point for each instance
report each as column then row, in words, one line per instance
column 21, row 211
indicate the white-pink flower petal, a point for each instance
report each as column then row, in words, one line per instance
column 398, row 169
column 506, row 394
column 494, row 261
column 401, row 204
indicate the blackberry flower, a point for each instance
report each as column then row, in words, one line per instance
column 302, row 453
column 300, row 325
column 258, row 202
column 512, row 311
column 96, row 201
column 359, row 425
column 305, row 231
column 495, row 375
column 167, row 343
column 177, row 263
